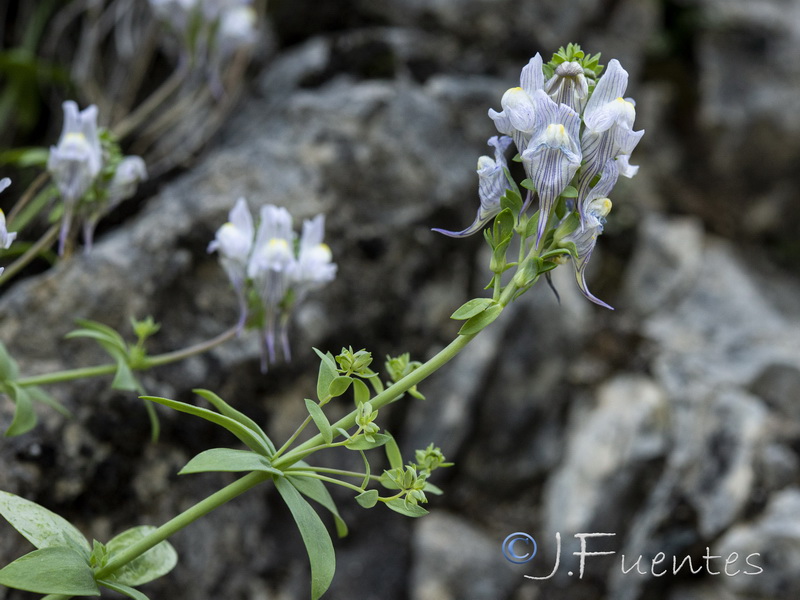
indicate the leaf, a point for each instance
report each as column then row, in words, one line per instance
column 339, row 385
column 115, row 346
column 471, row 308
column 154, row 563
column 41, row 527
column 393, row 453
column 368, row 499
column 327, row 373
column 37, row 394
column 24, row 415
column 432, row 489
column 228, row 460
column 230, row 412
column 52, row 570
column 246, row 435
column 124, row 379
column 362, row 443
column 9, row 371
column 360, row 392
column 315, row 537
column 320, row 420
column 406, row 508
column 316, row 490
column 481, row 320
column 123, row 589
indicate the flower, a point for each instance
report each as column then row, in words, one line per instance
column 596, row 208
column 265, row 266
column 609, row 130
column 75, row 161
column 77, row 158
column 130, row 171
column 568, row 86
column 6, row 237
column 314, row 267
column 492, row 184
column 517, row 119
column 234, row 242
column 553, row 154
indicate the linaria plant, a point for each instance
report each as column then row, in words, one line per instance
column 573, row 133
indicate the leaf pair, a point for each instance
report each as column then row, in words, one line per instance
column 63, row 560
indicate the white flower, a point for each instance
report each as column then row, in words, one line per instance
column 314, row 267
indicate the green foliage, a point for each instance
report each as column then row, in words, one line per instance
column 156, row 562
column 315, row 537
column 228, row 460
column 52, row 570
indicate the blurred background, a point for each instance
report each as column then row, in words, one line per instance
column 672, row 422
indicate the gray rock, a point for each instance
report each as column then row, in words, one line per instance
column 454, row 559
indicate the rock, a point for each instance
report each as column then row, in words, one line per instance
column 454, row 559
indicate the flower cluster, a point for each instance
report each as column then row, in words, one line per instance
column 227, row 25
column 573, row 132
column 90, row 173
column 269, row 271
column 6, row 237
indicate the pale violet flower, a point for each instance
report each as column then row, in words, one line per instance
column 585, row 239
column 553, row 154
column 517, row 119
column 492, row 184
column 609, row 133
column 238, row 27
column 75, row 161
column 130, row 171
column 234, row 243
column 569, row 86
column 6, row 237
column 314, row 267
column 270, row 268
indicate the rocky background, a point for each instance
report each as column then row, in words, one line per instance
column 672, row 422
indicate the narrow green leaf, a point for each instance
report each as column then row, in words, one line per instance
column 320, row 420
column 368, row 499
column 315, row 537
column 53, row 570
column 246, row 435
column 406, row 508
column 113, row 345
column 360, row 392
column 481, row 320
column 37, row 394
column 361, row 443
column 393, row 453
column 154, row 563
column 471, row 308
column 41, row 527
column 339, row 385
column 432, row 489
column 316, row 490
column 123, row 589
column 24, row 415
column 228, row 460
column 569, row 192
column 327, row 358
column 9, row 371
column 230, row 412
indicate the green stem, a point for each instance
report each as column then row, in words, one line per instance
column 382, row 399
column 334, row 472
column 146, row 363
column 293, row 437
column 333, row 480
column 202, row 508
